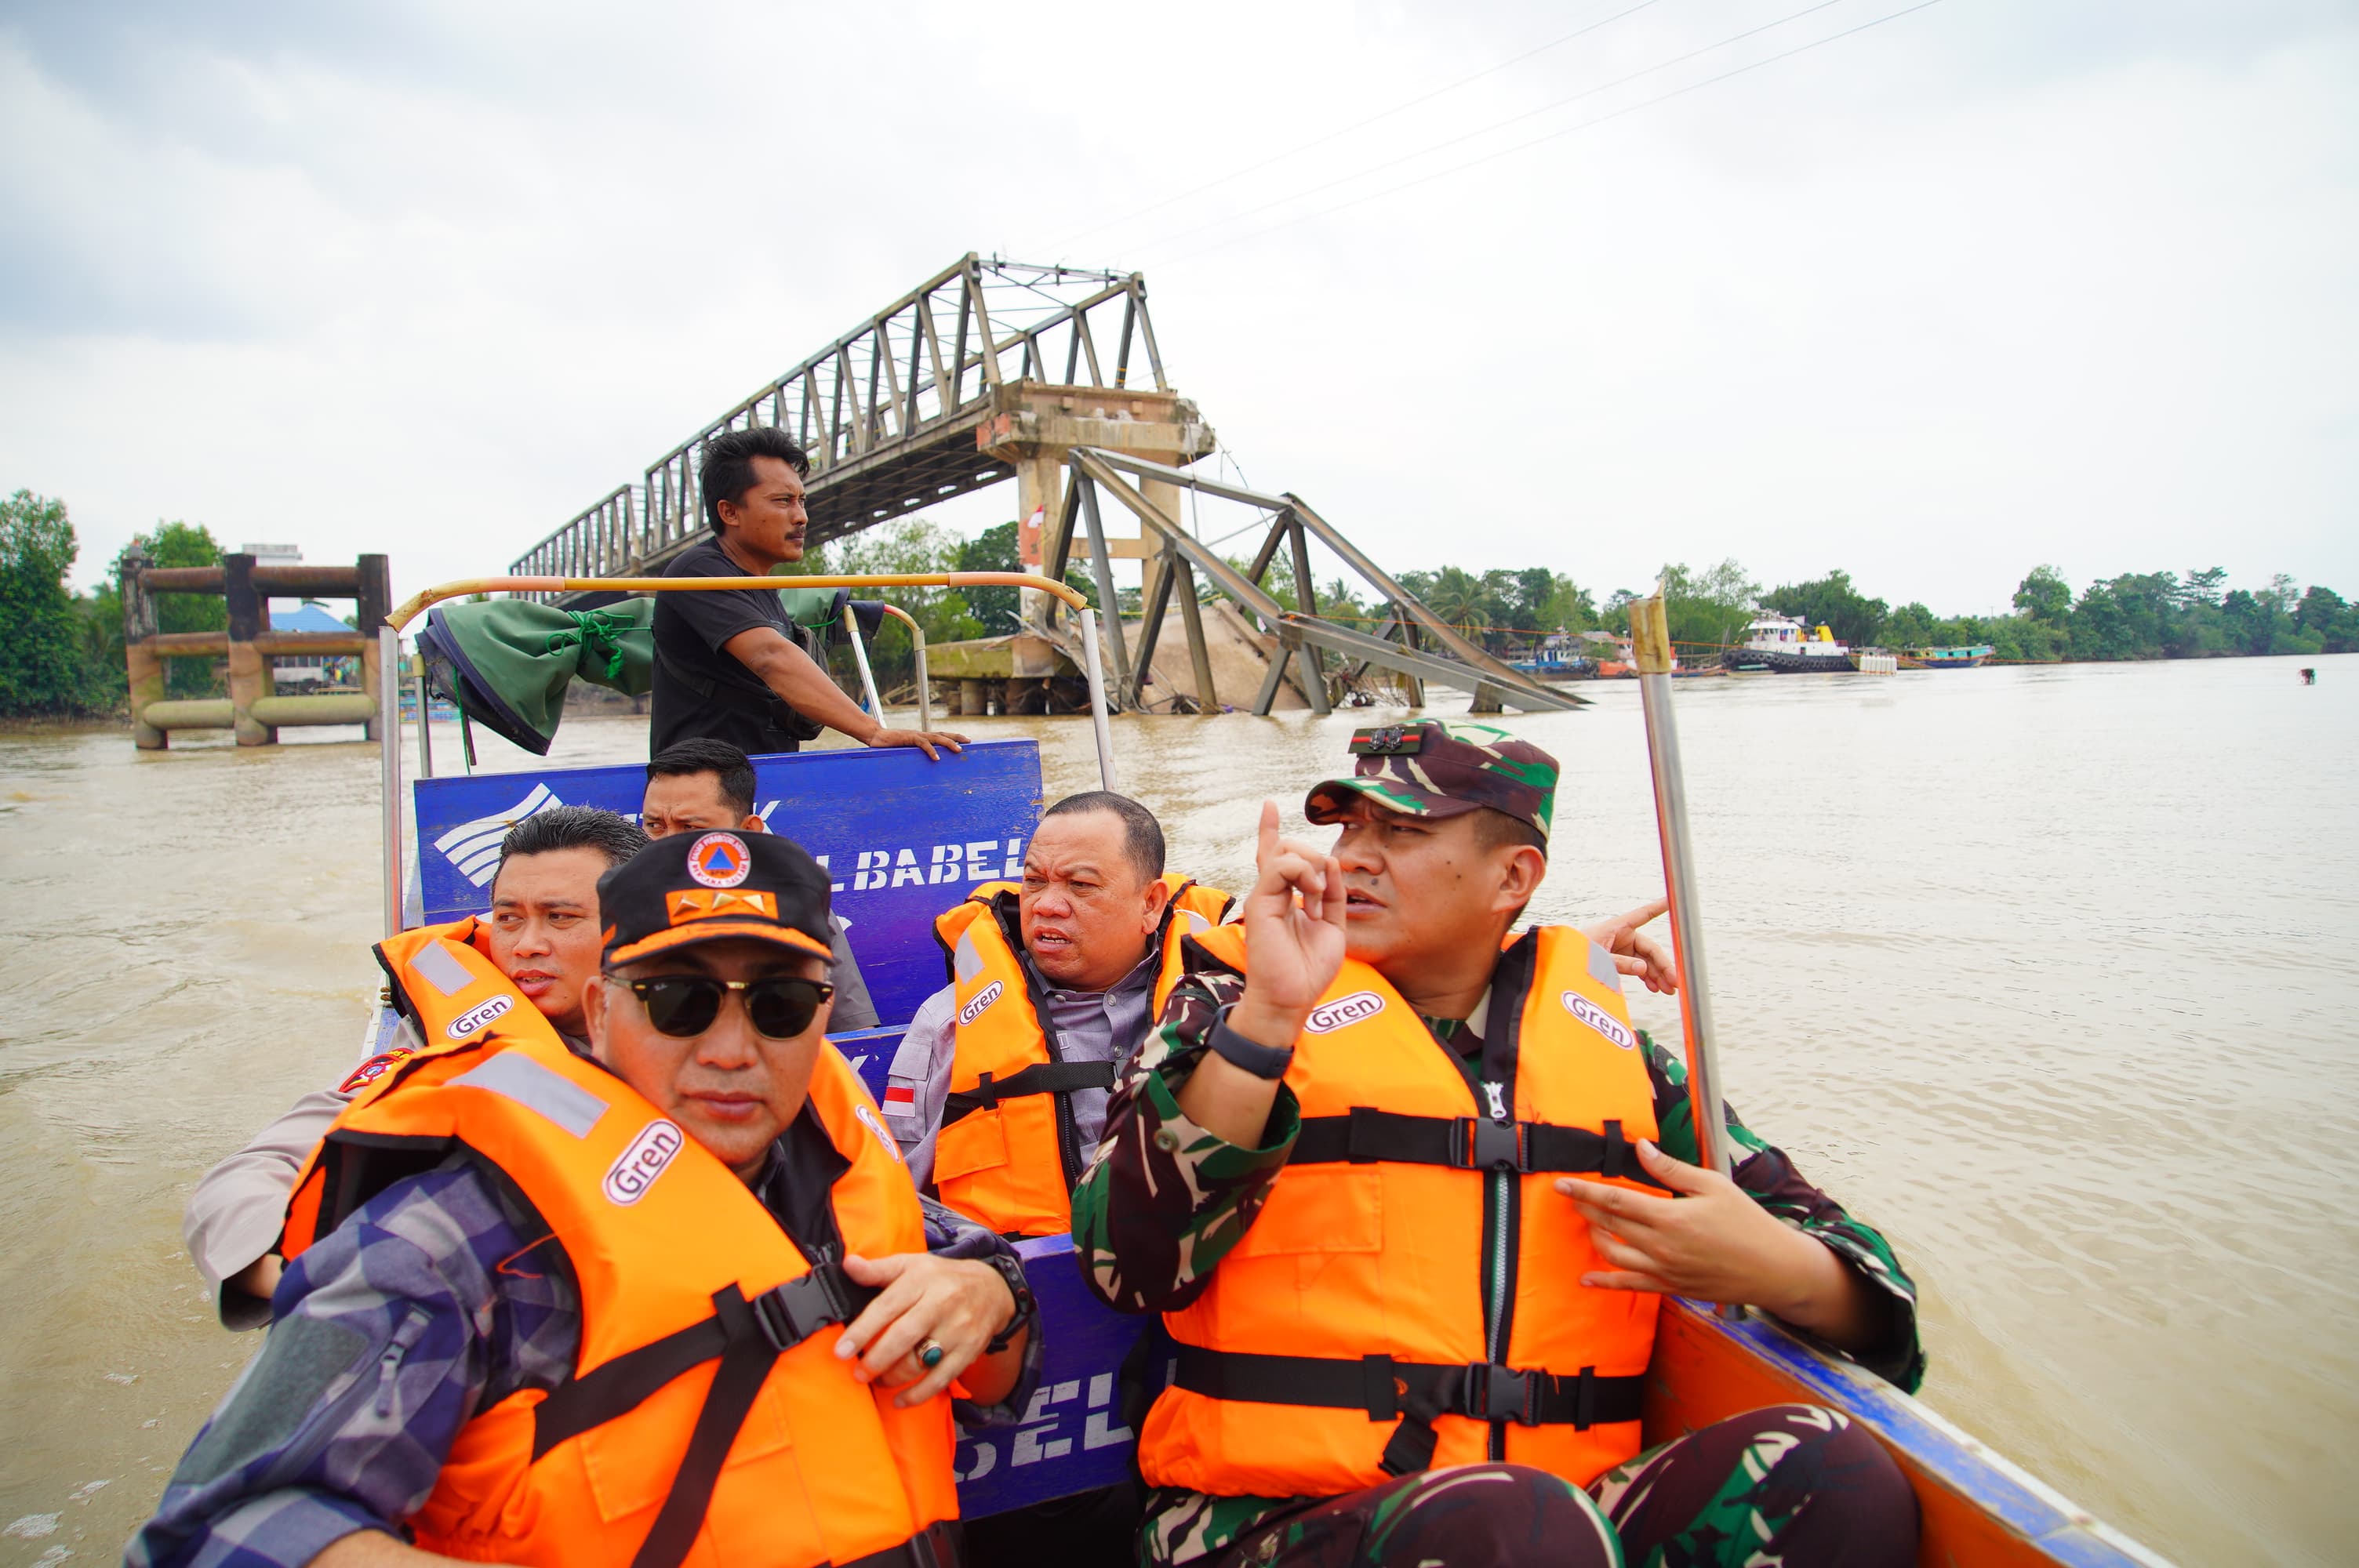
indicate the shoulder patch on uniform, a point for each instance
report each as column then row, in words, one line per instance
column 514, row 1075
column 373, row 1069
column 1597, row 1018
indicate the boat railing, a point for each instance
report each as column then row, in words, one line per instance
column 409, row 609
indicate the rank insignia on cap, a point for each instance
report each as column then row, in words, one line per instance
column 1387, row 740
column 684, row 905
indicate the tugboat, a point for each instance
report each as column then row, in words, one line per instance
column 1558, row 657
column 1782, row 644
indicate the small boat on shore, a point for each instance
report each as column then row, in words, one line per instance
column 1558, row 657
column 1966, row 658
column 1781, row 643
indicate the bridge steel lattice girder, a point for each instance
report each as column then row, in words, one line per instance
column 1291, row 515
column 892, row 413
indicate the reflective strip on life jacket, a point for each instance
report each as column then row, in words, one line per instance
column 1006, row 1153
column 1360, row 1328
column 706, row 1415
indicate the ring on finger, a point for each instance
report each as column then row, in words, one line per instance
column 929, row 1354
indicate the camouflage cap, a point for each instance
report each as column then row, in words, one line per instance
column 1439, row 769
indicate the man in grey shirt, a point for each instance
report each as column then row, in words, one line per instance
column 1089, row 914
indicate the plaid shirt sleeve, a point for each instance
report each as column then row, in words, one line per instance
column 1767, row 1173
column 389, row 1335
column 1163, row 1200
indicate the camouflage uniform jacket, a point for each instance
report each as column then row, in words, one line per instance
column 1163, row 1201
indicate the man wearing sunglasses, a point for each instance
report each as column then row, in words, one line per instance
column 534, row 1302
column 694, row 786
column 541, row 934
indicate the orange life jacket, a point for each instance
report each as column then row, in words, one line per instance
column 1348, row 1336
column 699, row 1318
column 1006, row 1153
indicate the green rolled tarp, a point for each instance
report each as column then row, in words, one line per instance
column 506, row 663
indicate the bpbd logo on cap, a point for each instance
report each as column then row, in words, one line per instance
column 720, row 861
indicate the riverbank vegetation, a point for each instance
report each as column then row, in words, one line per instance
column 62, row 652
column 2137, row 615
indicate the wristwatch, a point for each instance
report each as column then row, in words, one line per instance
column 1261, row 1061
column 1027, row 1307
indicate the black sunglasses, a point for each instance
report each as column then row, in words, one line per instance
column 780, row 1007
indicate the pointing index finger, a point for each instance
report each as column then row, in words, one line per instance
column 1646, row 912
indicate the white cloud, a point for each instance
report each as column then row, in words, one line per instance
column 1984, row 286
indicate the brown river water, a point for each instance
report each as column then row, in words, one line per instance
column 2047, row 971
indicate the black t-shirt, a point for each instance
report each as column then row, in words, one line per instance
column 702, row 692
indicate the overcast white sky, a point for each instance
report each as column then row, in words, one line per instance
column 1995, row 283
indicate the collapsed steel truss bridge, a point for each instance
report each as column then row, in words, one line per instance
column 1050, row 375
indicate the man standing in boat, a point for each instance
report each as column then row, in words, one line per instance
column 676, row 1302
column 1408, row 1194
column 729, row 664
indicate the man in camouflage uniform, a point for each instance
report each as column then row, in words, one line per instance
column 1202, row 1125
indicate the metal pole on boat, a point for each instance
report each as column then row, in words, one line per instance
column 1090, row 663
column 388, row 697
column 424, row 740
column 917, row 647
column 1650, row 642
column 860, row 657
column 925, row 692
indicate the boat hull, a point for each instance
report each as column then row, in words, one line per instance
column 1787, row 663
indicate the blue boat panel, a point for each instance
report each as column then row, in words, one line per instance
column 1071, row 1438
column 903, row 839
column 870, row 1052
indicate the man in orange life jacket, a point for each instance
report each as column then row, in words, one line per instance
column 680, row 1301
column 999, row 1091
column 1393, row 1179
column 541, row 933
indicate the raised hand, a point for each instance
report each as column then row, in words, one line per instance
column 1294, row 936
column 1635, row 952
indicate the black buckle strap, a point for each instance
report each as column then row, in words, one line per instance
column 1040, row 1078
column 1368, row 1135
column 746, row 1361
column 1492, row 1145
column 792, row 1313
column 1388, row 1390
column 782, row 1317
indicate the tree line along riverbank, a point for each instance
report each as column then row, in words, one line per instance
column 61, row 652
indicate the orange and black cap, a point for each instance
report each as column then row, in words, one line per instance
column 702, row 887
